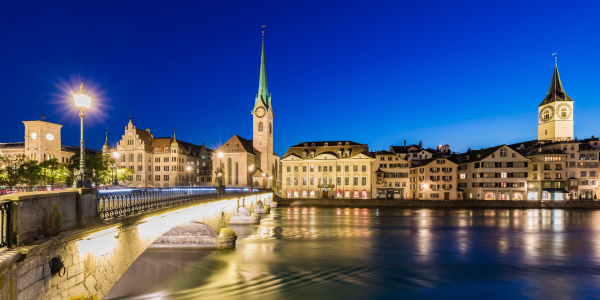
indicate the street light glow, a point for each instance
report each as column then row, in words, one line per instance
column 116, row 154
column 220, row 154
column 82, row 101
column 189, row 168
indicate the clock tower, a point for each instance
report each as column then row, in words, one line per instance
column 262, row 120
column 555, row 113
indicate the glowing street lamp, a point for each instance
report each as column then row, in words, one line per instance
column 82, row 101
column 189, row 169
column 116, row 155
column 250, row 168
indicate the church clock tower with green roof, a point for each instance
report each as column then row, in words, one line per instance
column 555, row 113
column 262, row 116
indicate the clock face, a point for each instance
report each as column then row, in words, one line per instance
column 260, row 112
column 33, row 135
column 564, row 111
column 546, row 113
column 50, row 136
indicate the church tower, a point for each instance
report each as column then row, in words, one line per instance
column 262, row 119
column 555, row 113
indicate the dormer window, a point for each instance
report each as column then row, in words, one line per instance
column 326, row 144
column 347, row 153
column 339, row 153
column 339, row 143
column 478, row 155
column 304, row 154
column 305, row 144
column 347, row 143
column 312, row 144
column 312, row 154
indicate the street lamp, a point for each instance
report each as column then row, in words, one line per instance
column 271, row 182
column 82, row 101
column 250, row 168
column 264, row 181
column 116, row 155
column 189, row 169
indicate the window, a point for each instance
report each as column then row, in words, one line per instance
column 312, row 181
column 295, row 180
column 572, row 155
column 303, row 180
column 339, row 168
column 592, row 173
column 441, row 161
column 296, row 169
column 165, row 177
column 364, row 181
column 502, row 175
column 303, row 168
column 503, row 152
column 355, row 180
column 139, row 169
column 382, row 158
column 260, row 126
column 312, row 168
column 156, row 168
column 583, row 173
column 288, row 181
column 320, row 168
column 156, row 177
column 347, row 181
column 229, row 167
column 390, row 158
column 463, row 176
column 140, row 158
column 355, row 168
column 138, row 177
column 339, row 181
column 347, row 168
column 165, row 168
column 288, row 168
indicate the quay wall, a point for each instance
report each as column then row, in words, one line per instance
column 436, row 203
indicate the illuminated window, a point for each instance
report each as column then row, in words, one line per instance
column 260, row 126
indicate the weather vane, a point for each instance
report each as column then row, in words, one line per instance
column 263, row 32
column 555, row 54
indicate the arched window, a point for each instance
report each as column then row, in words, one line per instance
column 140, row 157
column 270, row 127
column 546, row 114
column 131, row 157
column 123, row 158
column 304, row 154
column 260, row 126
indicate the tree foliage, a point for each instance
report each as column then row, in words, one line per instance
column 53, row 172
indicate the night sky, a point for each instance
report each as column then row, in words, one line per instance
column 467, row 74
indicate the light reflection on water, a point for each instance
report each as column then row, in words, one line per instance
column 359, row 253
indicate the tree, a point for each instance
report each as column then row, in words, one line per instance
column 123, row 174
column 12, row 173
column 32, row 172
column 98, row 167
column 53, row 172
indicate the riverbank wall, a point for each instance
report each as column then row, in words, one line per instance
column 436, row 203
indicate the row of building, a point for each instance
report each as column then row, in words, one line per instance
column 556, row 166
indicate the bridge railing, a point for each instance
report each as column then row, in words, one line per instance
column 5, row 223
column 114, row 205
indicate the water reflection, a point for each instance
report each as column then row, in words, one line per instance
column 358, row 253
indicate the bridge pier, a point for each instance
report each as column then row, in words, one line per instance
column 195, row 235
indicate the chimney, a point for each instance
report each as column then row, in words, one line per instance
column 404, row 144
column 420, row 145
column 447, row 148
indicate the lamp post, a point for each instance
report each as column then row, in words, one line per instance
column 189, row 169
column 250, row 168
column 271, row 182
column 82, row 101
column 116, row 155
column 219, row 173
column 264, row 180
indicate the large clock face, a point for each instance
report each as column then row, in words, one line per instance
column 260, row 112
column 546, row 113
column 33, row 135
column 564, row 111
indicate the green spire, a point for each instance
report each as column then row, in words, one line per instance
column 106, row 146
column 174, row 143
column 263, row 87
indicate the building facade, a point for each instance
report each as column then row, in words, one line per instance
column 434, row 179
column 161, row 161
column 333, row 169
column 390, row 176
column 496, row 173
column 253, row 162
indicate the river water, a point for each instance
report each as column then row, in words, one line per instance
column 385, row 253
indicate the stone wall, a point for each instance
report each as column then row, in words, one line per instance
column 94, row 258
column 436, row 203
column 28, row 211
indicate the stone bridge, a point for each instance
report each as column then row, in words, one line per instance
column 87, row 258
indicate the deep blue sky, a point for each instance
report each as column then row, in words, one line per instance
column 469, row 74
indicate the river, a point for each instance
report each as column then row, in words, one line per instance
column 384, row 253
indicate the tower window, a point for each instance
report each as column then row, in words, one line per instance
column 270, row 127
column 260, row 126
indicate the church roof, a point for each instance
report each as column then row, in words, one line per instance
column 237, row 144
column 556, row 91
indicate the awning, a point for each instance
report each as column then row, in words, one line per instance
column 555, row 190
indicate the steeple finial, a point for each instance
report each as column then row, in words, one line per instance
column 174, row 143
column 43, row 117
column 106, row 146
